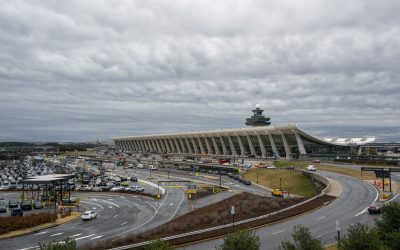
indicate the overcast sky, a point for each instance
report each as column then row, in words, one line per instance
column 87, row 70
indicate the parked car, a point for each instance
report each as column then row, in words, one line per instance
column 230, row 175
column 88, row 215
column 311, row 168
column 3, row 205
column 236, row 177
column 375, row 208
column 17, row 212
column 38, row 205
column 277, row 192
column 26, row 205
column 137, row 189
column 134, row 178
column 12, row 203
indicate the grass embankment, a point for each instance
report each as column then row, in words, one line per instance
column 8, row 224
column 294, row 182
column 339, row 170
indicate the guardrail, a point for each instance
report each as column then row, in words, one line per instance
column 141, row 244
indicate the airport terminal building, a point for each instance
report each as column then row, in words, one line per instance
column 259, row 140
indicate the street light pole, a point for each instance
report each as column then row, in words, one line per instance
column 257, row 175
column 280, row 183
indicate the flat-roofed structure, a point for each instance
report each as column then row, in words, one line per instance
column 286, row 141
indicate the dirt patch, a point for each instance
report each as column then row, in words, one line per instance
column 247, row 206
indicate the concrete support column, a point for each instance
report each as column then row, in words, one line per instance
column 132, row 145
column 188, row 146
column 194, row 145
column 252, row 151
column 164, row 149
column 154, row 145
column 167, row 145
column 172, row 145
column 178, row 149
column 242, row 151
column 273, row 145
column 203, row 152
column 135, row 145
column 183, row 146
column 232, row 147
column 148, row 146
column 300, row 144
column 262, row 146
column 140, row 145
column 209, row 149
column 224, row 150
column 215, row 146
column 158, row 145
column 285, row 144
column 359, row 151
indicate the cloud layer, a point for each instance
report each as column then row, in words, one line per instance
column 82, row 70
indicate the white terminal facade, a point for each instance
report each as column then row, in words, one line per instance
column 264, row 141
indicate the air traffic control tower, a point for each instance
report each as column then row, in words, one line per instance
column 258, row 119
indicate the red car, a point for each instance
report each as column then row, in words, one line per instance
column 316, row 161
column 375, row 208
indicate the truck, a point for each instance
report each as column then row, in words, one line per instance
column 311, row 168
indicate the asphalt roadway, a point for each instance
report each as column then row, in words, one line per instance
column 349, row 208
column 121, row 214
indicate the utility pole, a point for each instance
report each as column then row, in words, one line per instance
column 338, row 233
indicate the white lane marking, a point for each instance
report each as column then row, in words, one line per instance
column 85, row 237
column 144, row 223
column 109, row 200
column 110, row 206
column 111, row 203
column 96, row 237
column 75, row 235
column 139, row 213
column 124, row 223
column 180, row 203
column 115, row 216
column 171, row 204
column 36, row 247
column 279, row 232
column 41, row 233
column 376, row 198
column 56, row 234
column 93, row 204
column 320, row 218
column 94, row 208
column 88, row 228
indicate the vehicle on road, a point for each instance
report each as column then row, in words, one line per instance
column 17, row 212
column 311, row 168
column 375, row 208
column 316, row 161
column 88, row 215
column 277, row 192
column 271, row 167
column 3, row 205
column 133, row 178
column 26, row 205
column 152, row 167
column 246, row 182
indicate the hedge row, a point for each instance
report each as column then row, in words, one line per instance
column 8, row 224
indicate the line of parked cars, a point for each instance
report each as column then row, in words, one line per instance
column 16, row 207
column 239, row 178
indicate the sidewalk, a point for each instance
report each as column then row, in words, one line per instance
column 335, row 189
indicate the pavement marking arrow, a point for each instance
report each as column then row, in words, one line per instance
column 41, row 233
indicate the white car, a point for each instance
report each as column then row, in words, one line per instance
column 139, row 165
column 152, row 167
column 88, row 215
column 271, row 167
column 311, row 168
column 137, row 189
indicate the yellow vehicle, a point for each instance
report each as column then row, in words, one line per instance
column 125, row 184
column 277, row 192
column 259, row 165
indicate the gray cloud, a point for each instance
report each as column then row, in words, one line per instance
column 81, row 70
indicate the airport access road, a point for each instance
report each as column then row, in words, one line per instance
column 118, row 215
column 347, row 209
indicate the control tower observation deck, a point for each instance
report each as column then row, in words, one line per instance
column 258, row 119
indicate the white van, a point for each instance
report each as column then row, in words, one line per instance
column 152, row 167
column 311, row 168
column 140, row 165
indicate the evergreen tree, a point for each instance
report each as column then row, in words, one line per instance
column 303, row 240
column 242, row 240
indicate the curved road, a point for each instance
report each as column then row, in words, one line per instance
column 347, row 209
